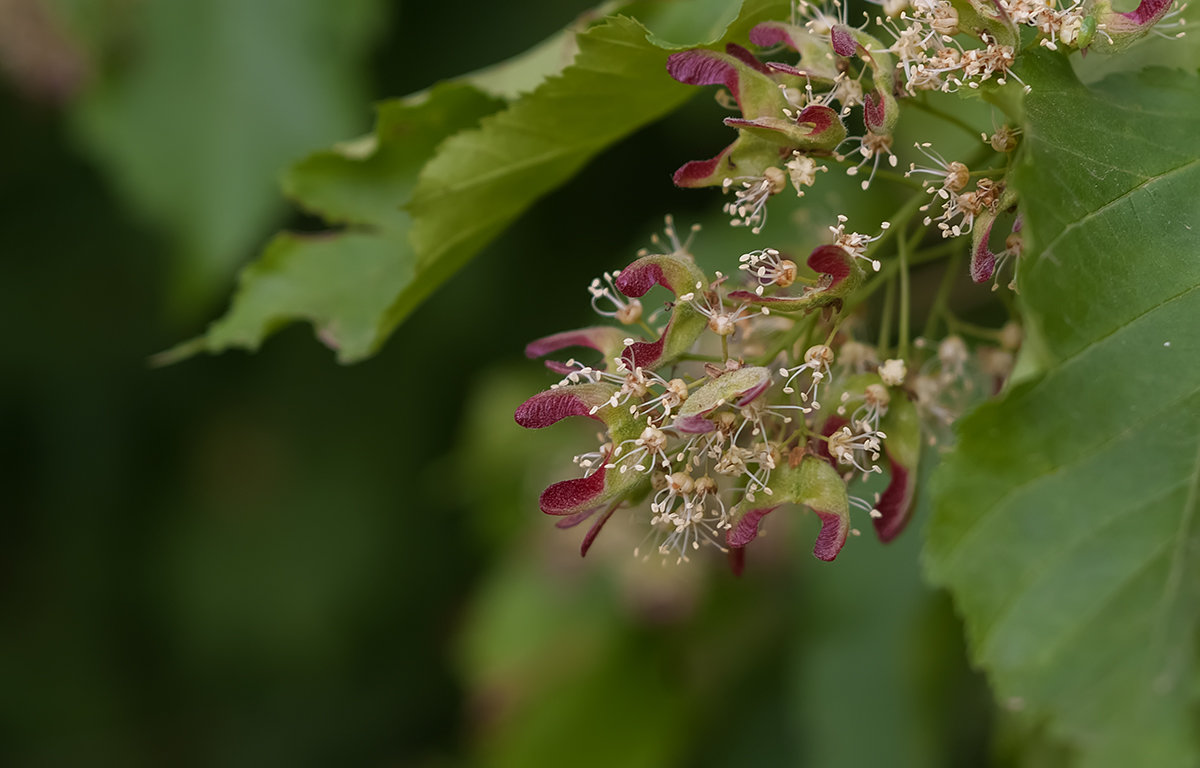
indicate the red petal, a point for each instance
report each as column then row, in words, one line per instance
column 832, row 537
column 570, row 496
column 831, row 260
column 747, row 58
column 843, row 40
column 550, row 407
column 747, row 528
column 594, row 531
column 895, row 505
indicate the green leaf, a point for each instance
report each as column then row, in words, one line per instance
column 1066, row 522
column 480, row 181
column 214, row 98
column 343, row 282
column 355, row 289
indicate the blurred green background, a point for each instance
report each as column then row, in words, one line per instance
column 274, row 560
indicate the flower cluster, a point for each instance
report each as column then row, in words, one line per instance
column 735, row 407
column 794, row 114
column 750, row 391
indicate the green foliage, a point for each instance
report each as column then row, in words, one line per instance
column 467, row 190
column 1066, row 521
column 342, row 282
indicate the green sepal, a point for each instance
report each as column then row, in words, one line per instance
column 814, row 484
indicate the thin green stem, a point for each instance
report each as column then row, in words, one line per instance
column 800, row 329
column 905, row 297
column 970, row 329
column 885, row 319
column 954, row 120
column 943, row 295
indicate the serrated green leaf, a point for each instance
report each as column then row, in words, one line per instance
column 1066, row 522
column 475, row 185
column 480, row 181
column 343, row 282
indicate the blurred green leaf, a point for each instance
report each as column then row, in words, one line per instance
column 1065, row 524
column 196, row 118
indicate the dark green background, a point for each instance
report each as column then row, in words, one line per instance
column 274, row 560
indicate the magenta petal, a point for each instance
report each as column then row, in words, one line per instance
column 834, row 529
column 843, row 40
column 637, row 280
column 701, row 173
column 573, row 520
column 701, row 67
column 1148, row 12
column 747, row 58
column 569, row 496
column 693, row 425
column 874, row 112
column 645, row 354
column 768, row 34
column 603, row 339
column 819, row 116
column 983, row 261
column 749, row 395
column 747, row 527
column 550, row 407
column 737, row 560
column 594, row 531
column 895, row 505
column 786, row 69
column 831, row 260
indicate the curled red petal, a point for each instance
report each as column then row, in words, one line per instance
column 594, row 531
column 550, row 407
column 747, row 527
column 693, row 425
column 638, row 278
column 1147, row 12
column 874, row 112
column 645, row 354
column 831, row 260
column 573, row 520
column 787, row 69
column 749, row 395
column 769, row 34
column 895, row 505
column 570, row 497
column 747, row 58
column 599, row 338
column 702, row 173
column 702, row 67
column 843, row 40
column 821, row 117
column 831, row 539
column 737, row 560
column 983, row 261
